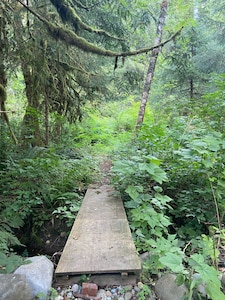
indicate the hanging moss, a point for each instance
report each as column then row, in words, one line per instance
column 69, row 15
column 3, row 97
column 71, row 38
column 2, row 94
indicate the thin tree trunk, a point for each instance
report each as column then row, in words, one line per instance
column 152, row 64
column 46, row 122
column 191, row 89
column 193, row 53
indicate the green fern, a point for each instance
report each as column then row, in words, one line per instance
column 7, row 236
column 9, row 261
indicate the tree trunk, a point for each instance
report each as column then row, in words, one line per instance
column 191, row 89
column 31, row 133
column 193, row 53
column 46, row 122
column 3, row 78
column 152, row 64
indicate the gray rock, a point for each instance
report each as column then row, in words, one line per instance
column 140, row 285
column 69, row 295
column 120, row 289
column 137, row 289
column 108, row 294
column 14, row 287
column 144, row 256
column 201, row 287
column 38, row 273
column 128, row 296
column 101, row 294
column 113, row 291
column 75, row 288
column 167, row 289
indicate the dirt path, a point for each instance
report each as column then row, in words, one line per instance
column 105, row 168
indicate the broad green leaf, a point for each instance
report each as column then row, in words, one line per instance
column 156, row 172
column 180, row 279
column 139, row 233
column 209, row 275
column 213, row 290
column 172, row 261
column 152, row 222
column 131, row 204
column 164, row 199
column 146, row 197
column 165, row 221
column 208, row 163
column 213, row 142
column 158, row 189
column 185, row 153
column 134, row 191
column 199, row 143
column 153, row 159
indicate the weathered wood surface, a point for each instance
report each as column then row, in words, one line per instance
column 100, row 241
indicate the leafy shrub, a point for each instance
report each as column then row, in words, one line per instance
column 197, row 176
column 140, row 179
column 32, row 188
column 70, row 208
column 106, row 127
column 211, row 106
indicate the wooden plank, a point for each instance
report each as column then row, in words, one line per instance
column 100, row 241
column 101, row 280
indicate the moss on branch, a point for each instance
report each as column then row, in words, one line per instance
column 69, row 15
column 71, row 38
column 80, row 5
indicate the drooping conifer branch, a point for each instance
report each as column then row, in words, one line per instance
column 71, row 38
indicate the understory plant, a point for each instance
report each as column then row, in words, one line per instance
column 8, row 259
column 140, row 178
column 36, row 189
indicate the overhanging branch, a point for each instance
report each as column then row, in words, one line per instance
column 68, row 14
column 71, row 38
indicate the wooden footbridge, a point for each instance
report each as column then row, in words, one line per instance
column 100, row 242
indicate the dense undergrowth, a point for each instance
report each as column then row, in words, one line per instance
column 170, row 175
column 173, row 192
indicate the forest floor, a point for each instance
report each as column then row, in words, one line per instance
column 105, row 168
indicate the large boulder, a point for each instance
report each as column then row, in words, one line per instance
column 14, row 287
column 38, row 273
column 167, row 289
